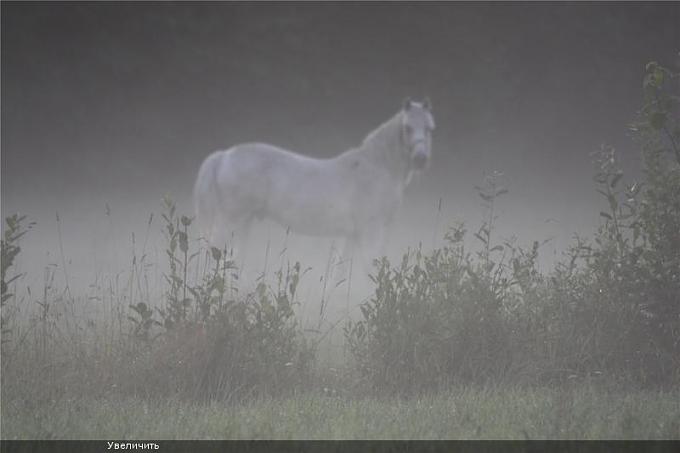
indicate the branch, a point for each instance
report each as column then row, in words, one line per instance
column 674, row 144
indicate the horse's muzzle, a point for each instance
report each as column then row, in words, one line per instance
column 419, row 161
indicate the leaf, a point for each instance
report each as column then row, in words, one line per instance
column 216, row 253
column 13, row 278
column 613, row 204
column 604, row 214
column 616, row 179
column 657, row 120
column 600, row 178
column 183, row 242
column 478, row 236
column 658, row 75
column 648, row 82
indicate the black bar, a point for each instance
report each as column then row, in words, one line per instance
column 301, row 446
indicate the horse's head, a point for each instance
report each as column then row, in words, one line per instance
column 417, row 124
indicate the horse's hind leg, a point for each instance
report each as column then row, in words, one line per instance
column 206, row 222
column 236, row 236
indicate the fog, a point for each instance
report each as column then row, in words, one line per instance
column 108, row 107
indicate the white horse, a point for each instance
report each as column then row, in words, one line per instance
column 354, row 195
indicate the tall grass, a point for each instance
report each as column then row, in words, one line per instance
column 200, row 339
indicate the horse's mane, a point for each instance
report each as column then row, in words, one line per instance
column 380, row 145
column 380, row 133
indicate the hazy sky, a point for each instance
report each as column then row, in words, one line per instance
column 120, row 102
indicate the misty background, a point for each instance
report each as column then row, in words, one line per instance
column 117, row 104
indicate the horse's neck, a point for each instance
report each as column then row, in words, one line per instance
column 383, row 148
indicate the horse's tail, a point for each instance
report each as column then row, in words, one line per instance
column 207, row 199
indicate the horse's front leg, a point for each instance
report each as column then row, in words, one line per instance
column 345, row 266
column 240, row 235
column 373, row 247
column 362, row 248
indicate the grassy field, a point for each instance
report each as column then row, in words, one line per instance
column 464, row 413
column 589, row 349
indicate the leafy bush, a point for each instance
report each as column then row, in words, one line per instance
column 212, row 343
column 9, row 250
column 447, row 315
column 612, row 308
column 625, row 298
column 203, row 340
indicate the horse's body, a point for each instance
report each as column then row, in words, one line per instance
column 353, row 195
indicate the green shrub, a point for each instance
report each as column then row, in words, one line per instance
column 210, row 342
column 622, row 305
column 9, row 249
column 448, row 315
column 610, row 309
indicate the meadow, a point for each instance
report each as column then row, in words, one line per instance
column 468, row 340
column 581, row 412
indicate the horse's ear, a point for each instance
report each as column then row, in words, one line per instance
column 427, row 103
column 407, row 104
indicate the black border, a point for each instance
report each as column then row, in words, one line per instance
column 299, row 446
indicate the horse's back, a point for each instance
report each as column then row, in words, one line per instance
column 266, row 165
column 249, row 172
column 263, row 156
